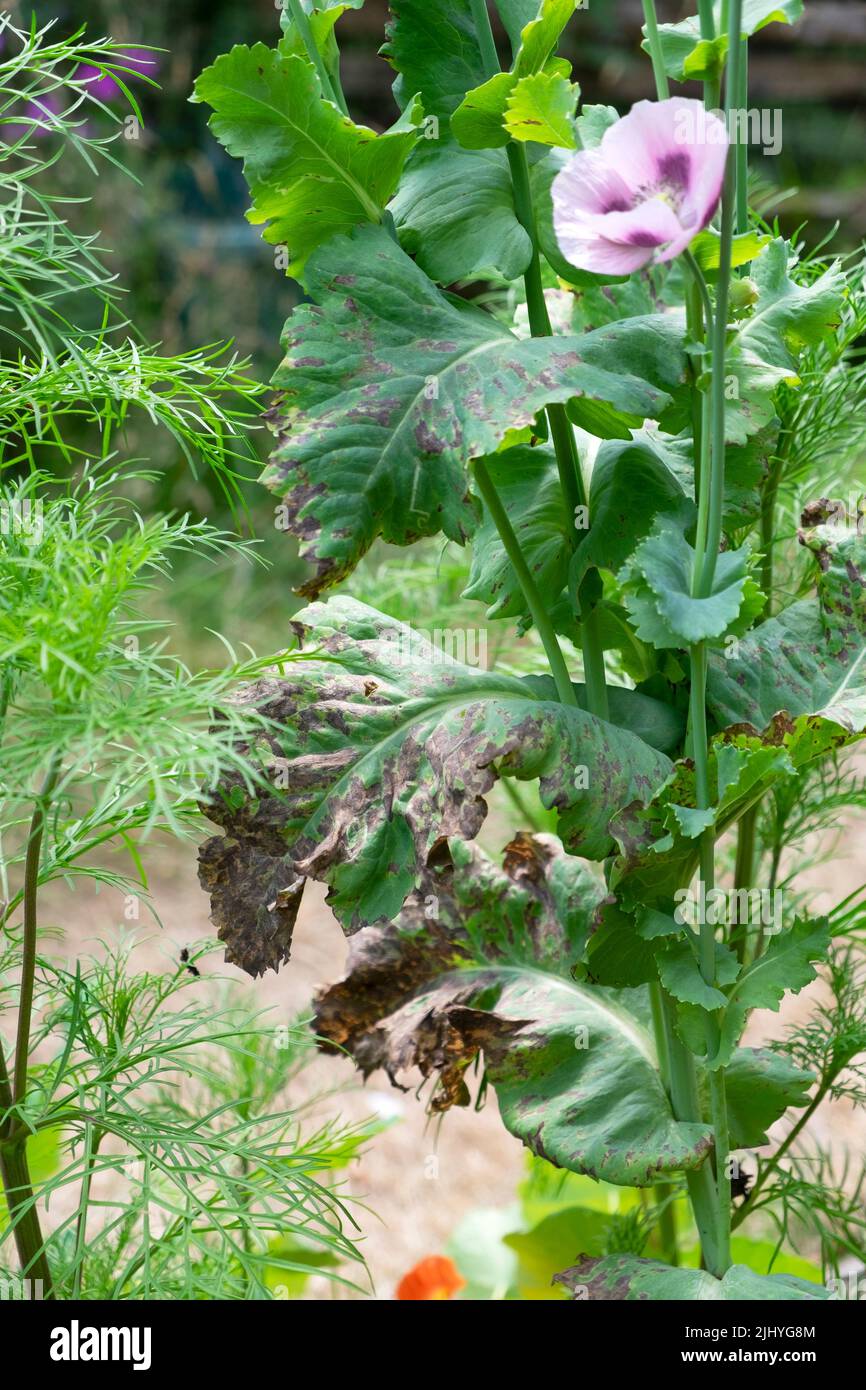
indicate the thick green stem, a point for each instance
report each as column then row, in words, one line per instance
column 699, row 312
column 686, row 1107
column 534, row 601
column 721, row 1156
column 695, row 332
column 28, row 945
column 13, row 1151
column 768, row 521
column 561, row 432
column 484, row 33
column 657, row 1009
column 742, row 102
column 744, row 871
column 664, row 1192
column 720, row 324
column 712, row 87
column 663, row 90
column 708, row 540
column 301, row 21
column 706, row 19
column 717, row 412
column 707, row 957
column 593, row 655
column 18, row 1187
column 665, row 1196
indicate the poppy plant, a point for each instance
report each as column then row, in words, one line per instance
column 693, row 692
column 644, row 194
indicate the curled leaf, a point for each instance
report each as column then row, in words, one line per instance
column 575, row 1075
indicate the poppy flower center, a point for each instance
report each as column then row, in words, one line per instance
column 671, row 183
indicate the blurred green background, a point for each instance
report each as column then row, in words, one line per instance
column 196, row 271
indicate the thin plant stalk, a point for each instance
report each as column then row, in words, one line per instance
column 706, row 553
column 742, row 102
column 302, row 23
column 15, row 1169
column 707, row 21
column 561, row 432
column 663, row 90
column 534, row 601
column 744, row 870
column 28, row 945
column 685, row 1104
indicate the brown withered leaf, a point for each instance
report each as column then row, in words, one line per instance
column 385, row 745
column 255, row 925
column 479, row 964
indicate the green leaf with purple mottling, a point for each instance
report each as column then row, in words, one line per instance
column 392, row 744
column 811, row 658
column 389, row 388
column 625, row 1277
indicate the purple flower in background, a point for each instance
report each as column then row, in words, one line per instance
column 103, row 85
column 652, row 184
column 38, row 120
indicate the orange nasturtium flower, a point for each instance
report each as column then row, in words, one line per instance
column 433, row 1277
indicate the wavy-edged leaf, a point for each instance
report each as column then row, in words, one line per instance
column 389, row 388
column 323, row 16
column 479, row 962
column 454, row 211
column 681, row 976
column 657, row 591
column 766, row 345
column 312, row 172
column 760, row 1086
column 811, row 658
column 659, row 843
column 434, row 49
column 631, row 487
column 746, row 469
column 689, row 57
column 479, row 122
column 707, row 249
column 391, row 745
column 786, row 965
column 541, row 108
column 626, row 1277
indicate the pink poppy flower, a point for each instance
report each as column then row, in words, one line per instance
column 645, row 192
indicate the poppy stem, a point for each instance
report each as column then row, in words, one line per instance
column 707, row 20
column 561, row 430
column 534, row 601
column 707, row 541
column 663, row 90
column 332, row 91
